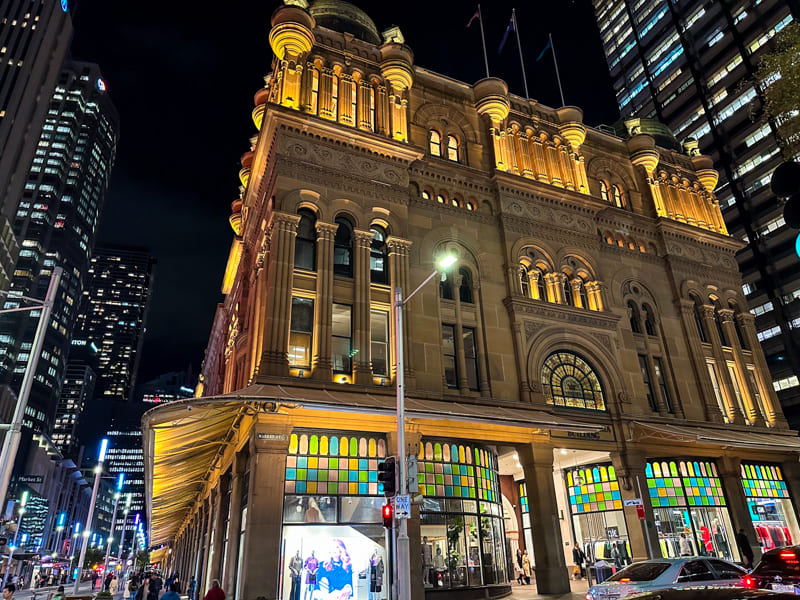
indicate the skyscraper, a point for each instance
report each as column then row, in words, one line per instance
column 76, row 391
column 34, row 39
column 112, row 316
column 689, row 64
column 56, row 221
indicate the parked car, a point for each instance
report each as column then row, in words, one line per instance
column 707, row 593
column 662, row 573
column 778, row 570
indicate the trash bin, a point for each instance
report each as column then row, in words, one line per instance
column 602, row 572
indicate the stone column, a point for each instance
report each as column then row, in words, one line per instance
column 734, row 413
column 769, row 400
column 269, row 446
column 361, row 325
column 220, row 512
column 207, row 545
column 710, row 408
column 630, row 468
column 753, row 415
column 480, row 344
column 553, row 293
column 533, row 283
column 278, row 295
column 322, row 367
column 522, row 363
column 548, row 547
column 398, row 276
column 730, row 474
column 232, row 557
column 514, row 284
column 575, row 288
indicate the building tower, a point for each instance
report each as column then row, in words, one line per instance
column 34, row 40
column 683, row 64
column 56, row 222
column 77, row 390
column 591, row 346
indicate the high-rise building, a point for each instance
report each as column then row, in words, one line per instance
column 589, row 350
column 689, row 65
column 125, row 456
column 34, row 40
column 76, row 391
column 112, row 316
column 175, row 385
column 56, row 222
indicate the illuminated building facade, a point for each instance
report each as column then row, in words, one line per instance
column 34, row 40
column 125, row 456
column 76, row 392
column 591, row 337
column 56, row 222
column 175, row 385
column 683, row 63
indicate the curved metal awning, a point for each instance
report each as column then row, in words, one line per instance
column 183, row 439
column 785, row 440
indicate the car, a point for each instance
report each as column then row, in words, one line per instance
column 711, row 593
column 778, row 570
column 662, row 573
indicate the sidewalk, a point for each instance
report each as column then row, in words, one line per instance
column 43, row 593
column 529, row 592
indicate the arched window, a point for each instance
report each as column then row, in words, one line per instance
column 634, row 317
column 446, row 288
column 541, row 288
column 343, row 248
column 568, row 299
column 618, row 198
column 603, row 190
column 378, row 256
column 452, row 148
column 524, row 281
column 465, row 289
column 305, row 243
column 568, row 380
column 470, row 206
column 698, row 319
column 441, row 199
column 649, row 320
column 435, row 142
column 426, row 195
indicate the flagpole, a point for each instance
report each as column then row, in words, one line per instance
column 483, row 39
column 555, row 62
column 519, row 47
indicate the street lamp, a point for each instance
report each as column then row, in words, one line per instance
column 76, row 531
column 124, row 523
column 87, row 530
column 120, row 483
column 403, row 554
column 23, row 501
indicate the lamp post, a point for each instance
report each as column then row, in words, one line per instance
column 23, row 501
column 62, row 519
column 11, row 442
column 75, row 533
column 98, row 471
column 120, row 483
column 403, row 553
column 124, row 524
column 135, row 542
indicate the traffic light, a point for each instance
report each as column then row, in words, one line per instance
column 388, row 515
column 387, row 475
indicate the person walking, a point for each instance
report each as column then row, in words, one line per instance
column 215, row 593
column 113, row 586
column 190, row 591
column 686, row 546
column 526, row 566
column 744, row 548
column 172, row 594
column 107, row 581
column 579, row 559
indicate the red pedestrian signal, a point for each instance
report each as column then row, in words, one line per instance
column 388, row 515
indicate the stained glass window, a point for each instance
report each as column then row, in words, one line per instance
column 322, row 463
column 593, row 489
column 763, row 481
column 692, row 483
column 458, row 471
column 568, row 380
column 523, row 496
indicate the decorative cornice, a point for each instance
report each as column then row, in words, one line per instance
column 561, row 313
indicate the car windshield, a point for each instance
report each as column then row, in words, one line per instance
column 646, row 571
column 775, row 565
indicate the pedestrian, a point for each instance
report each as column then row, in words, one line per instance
column 172, row 594
column 114, row 585
column 107, row 582
column 59, row 595
column 8, row 591
column 686, row 546
column 744, row 548
column 579, row 559
column 95, row 577
column 526, row 566
column 192, row 588
column 215, row 593
column 143, row 590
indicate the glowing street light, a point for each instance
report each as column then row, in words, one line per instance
column 120, row 483
column 22, row 502
column 87, row 530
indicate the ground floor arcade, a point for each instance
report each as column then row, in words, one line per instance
column 283, row 502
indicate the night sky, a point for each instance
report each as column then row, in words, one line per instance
column 182, row 76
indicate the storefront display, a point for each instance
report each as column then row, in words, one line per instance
column 333, row 545
column 461, row 518
column 690, row 509
column 770, row 507
column 598, row 521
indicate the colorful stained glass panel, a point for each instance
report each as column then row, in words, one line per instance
column 763, row 481
column 449, row 475
column 698, row 486
column 593, row 489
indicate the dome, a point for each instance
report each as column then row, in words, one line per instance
column 626, row 128
column 345, row 18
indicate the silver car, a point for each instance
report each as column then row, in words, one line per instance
column 662, row 573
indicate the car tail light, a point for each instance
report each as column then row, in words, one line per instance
column 589, row 596
column 749, row 582
column 625, row 580
column 787, row 555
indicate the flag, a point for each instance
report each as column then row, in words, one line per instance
column 545, row 49
column 477, row 15
column 511, row 27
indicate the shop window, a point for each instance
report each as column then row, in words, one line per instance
column 378, row 256
column 343, row 248
column 648, row 385
column 470, row 358
column 379, row 342
column 662, row 384
column 524, row 281
column 569, row 381
column 341, row 339
column 449, row 356
column 770, row 506
column 603, row 190
column 618, row 197
column 300, row 332
column 435, row 142
column 465, row 289
column 452, row 148
column 633, row 317
column 305, row 243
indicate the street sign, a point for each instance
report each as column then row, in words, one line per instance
column 402, row 506
column 640, row 511
column 633, row 502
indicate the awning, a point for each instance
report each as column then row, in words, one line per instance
column 183, row 439
column 730, row 437
column 158, row 555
